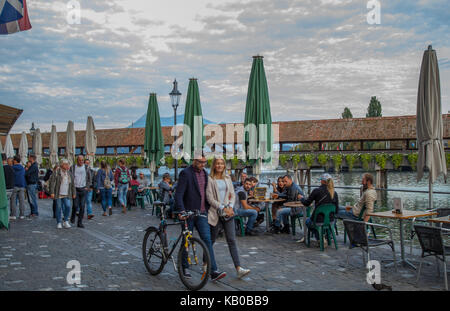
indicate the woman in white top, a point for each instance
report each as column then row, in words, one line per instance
column 221, row 197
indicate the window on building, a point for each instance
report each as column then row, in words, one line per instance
column 138, row 150
column 100, row 150
column 123, row 150
column 62, row 151
column 78, row 151
column 167, row 148
column 110, row 150
column 46, row 151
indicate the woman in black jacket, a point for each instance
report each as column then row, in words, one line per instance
column 325, row 194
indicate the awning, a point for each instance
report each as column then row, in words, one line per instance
column 9, row 116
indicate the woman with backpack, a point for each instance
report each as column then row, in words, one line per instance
column 122, row 178
column 104, row 179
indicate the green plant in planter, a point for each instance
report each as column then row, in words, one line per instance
column 323, row 159
column 397, row 159
column 111, row 162
column 381, row 160
column 351, row 159
column 180, row 162
column 448, row 160
column 284, row 158
column 140, row 161
column 234, row 162
column 412, row 159
column 295, row 160
column 337, row 159
column 365, row 160
column 170, row 161
column 309, row 159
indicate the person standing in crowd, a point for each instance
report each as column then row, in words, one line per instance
column 221, row 197
column 104, row 186
column 244, row 209
column 9, row 177
column 191, row 196
column 47, row 176
column 325, row 194
column 32, row 179
column 62, row 190
column 122, row 180
column 166, row 193
column 292, row 193
column 19, row 189
column 82, row 180
column 90, row 190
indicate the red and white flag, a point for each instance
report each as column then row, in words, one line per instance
column 13, row 8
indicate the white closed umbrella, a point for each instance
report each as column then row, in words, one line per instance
column 37, row 146
column 9, row 148
column 53, row 146
column 429, row 122
column 70, row 142
column 1, row 147
column 23, row 148
column 91, row 140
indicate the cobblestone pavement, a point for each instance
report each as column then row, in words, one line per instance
column 34, row 254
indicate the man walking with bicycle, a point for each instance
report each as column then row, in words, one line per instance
column 191, row 196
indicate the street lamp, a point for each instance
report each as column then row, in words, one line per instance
column 175, row 96
column 32, row 132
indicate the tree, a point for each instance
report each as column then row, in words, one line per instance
column 374, row 109
column 347, row 114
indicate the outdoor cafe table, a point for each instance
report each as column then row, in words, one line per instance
column 400, row 217
column 268, row 203
column 299, row 204
column 440, row 220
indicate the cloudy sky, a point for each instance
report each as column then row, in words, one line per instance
column 319, row 56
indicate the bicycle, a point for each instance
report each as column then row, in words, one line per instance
column 156, row 256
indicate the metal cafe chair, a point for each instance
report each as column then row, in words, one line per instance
column 358, row 236
column 432, row 244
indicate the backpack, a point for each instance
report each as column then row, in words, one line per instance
column 107, row 181
column 123, row 177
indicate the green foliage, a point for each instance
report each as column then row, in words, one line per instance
column 365, row 160
column 381, row 160
column 234, row 162
column 374, row 109
column 309, row 159
column 448, row 160
column 295, row 160
column 323, row 159
column 140, row 161
column 337, row 159
column 169, row 161
column 347, row 114
column 412, row 159
column 45, row 163
column 209, row 162
column 130, row 161
column 351, row 159
column 284, row 158
column 397, row 159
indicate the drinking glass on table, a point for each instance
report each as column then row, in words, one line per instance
column 348, row 207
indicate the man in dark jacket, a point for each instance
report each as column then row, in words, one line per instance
column 32, row 179
column 19, row 189
column 191, row 196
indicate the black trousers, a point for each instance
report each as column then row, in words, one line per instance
column 78, row 204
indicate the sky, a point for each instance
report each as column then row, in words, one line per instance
column 319, row 56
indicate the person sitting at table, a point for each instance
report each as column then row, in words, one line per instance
column 241, row 181
column 325, row 194
column 278, row 188
column 244, row 209
column 166, row 193
column 292, row 193
column 143, row 182
column 367, row 199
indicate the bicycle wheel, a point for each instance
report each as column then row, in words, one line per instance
column 152, row 251
column 197, row 263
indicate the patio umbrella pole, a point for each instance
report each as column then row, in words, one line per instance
column 430, row 193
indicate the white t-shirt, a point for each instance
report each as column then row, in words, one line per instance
column 80, row 176
column 222, row 187
column 64, row 188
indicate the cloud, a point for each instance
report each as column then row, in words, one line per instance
column 320, row 56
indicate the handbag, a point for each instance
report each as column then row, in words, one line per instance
column 107, row 181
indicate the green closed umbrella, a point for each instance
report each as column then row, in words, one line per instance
column 258, row 121
column 4, row 212
column 154, row 141
column 193, row 135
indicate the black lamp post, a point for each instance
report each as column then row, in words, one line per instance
column 175, row 96
column 32, row 132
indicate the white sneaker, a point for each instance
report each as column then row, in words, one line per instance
column 59, row 226
column 12, row 218
column 66, row 225
column 22, row 217
column 242, row 272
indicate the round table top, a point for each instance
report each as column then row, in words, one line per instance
column 266, row 200
column 293, row 204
